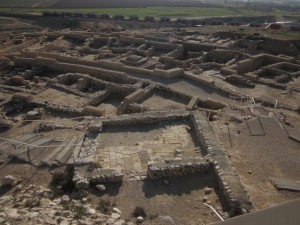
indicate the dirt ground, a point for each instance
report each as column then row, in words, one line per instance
column 155, row 101
column 58, row 97
column 259, row 158
column 181, row 199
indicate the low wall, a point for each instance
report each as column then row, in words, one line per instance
column 198, row 79
column 100, row 73
column 180, row 96
column 192, row 103
column 171, row 73
column 69, row 110
column 97, row 98
column 228, row 179
column 193, row 46
column 99, row 176
column 176, row 167
column 74, row 60
column 280, row 46
column 130, row 69
column 16, row 48
column 135, row 96
column 131, row 40
column 145, row 118
column 93, row 111
column 163, row 46
column 67, row 89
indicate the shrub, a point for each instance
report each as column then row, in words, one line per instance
column 139, row 211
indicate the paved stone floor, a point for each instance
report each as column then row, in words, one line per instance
column 135, row 151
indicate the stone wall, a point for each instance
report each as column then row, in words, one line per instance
column 199, row 79
column 171, row 73
column 222, row 56
column 68, row 110
column 98, row 176
column 68, row 89
column 98, row 97
column 229, row 181
column 93, row 111
column 100, row 73
column 177, row 53
column 193, row 46
column 280, row 46
column 210, row 104
column 145, row 118
column 161, row 46
column 256, row 62
column 285, row 67
column 74, row 60
column 130, row 69
column 176, row 167
column 76, row 36
column 131, row 40
column 180, row 96
column 135, row 96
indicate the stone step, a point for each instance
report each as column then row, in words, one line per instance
column 31, row 140
column 7, row 145
column 66, row 152
column 76, row 151
column 25, row 138
column 35, row 155
column 38, row 142
column 48, row 160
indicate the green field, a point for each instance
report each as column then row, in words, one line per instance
column 19, row 3
column 152, row 11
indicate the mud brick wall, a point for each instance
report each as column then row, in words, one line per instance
column 271, row 59
column 177, row 53
column 108, row 75
column 192, row 46
column 171, row 73
column 29, row 54
column 174, row 93
column 222, row 56
column 283, row 66
column 249, row 65
column 74, row 60
column 228, row 178
column 122, row 89
column 162, row 46
column 171, row 62
column 130, row 69
column 13, row 89
column 210, row 104
column 280, row 46
column 131, row 40
column 76, row 36
column 98, row 41
column 16, row 48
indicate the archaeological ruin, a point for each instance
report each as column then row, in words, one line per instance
column 173, row 119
